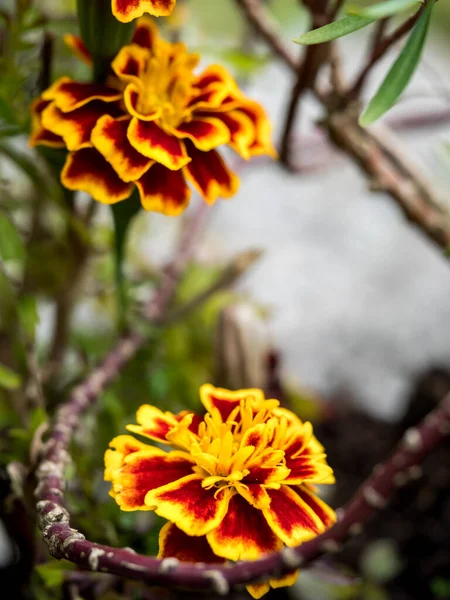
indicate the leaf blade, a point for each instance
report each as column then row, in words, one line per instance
column 383, row 10
column 334, row 30
column 9, row 380
column 401, row 71
column 12, row 246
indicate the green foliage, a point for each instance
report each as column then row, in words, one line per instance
column 383, row 10
column 333, row 31
column 28, row 315
column 53, row 572
column 380, row 561
column 402, row 70
column 11, row 243
column 9, row 380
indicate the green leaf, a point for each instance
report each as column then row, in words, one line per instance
column 11, row 243
column 28, row 315
column 335, row 30
column 52, row 572
column 123, row 213
column 401, row 71
column 8, row 379
column 383, row 10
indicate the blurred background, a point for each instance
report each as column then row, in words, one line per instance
column 345, row 315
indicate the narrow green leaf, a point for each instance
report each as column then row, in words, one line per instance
column 28, row 315
column 11, row 243
column 401, row 71
column 383, row 10
column 334, row 30
column 8, row 379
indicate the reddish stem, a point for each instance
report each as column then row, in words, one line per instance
column 65, row 542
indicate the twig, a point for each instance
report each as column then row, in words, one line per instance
column 336, row 9
column 418, row 201
column 380, row 156
column 372, row 496
column 315, row 57
column 259, row 18
column 66, row 418
column 231, row 273
column 380, row 49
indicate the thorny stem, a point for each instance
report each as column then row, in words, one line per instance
column 418, row 442
column 65, row 542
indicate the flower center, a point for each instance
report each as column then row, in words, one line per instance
column 224, row 458
column 166, row 80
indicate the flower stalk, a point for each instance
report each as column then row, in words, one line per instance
column 102, row 34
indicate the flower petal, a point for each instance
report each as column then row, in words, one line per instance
column 308, row 468
column 225, row 401
column 254, row 494
column 163, row 190
column 191, row 507
column 86, row 170
column 153, row 142
column 146, row 33
column 109, row 136
column 206, row 133
column 291, row 518
column 127, row 10
column 257, row 590
column 209, row 175
column 69, row 95
column 120, row 447
column 40, row 135
column 130, row 62
column 213, row 75
column 75, row 43
column 175, row 543
column 76, row 126
column 263, row 129
column 325, row 513
column 242, row 131
column 153, row 423
column 243, row 534
column 285, row 581
column 131, row 98
column 144, row 471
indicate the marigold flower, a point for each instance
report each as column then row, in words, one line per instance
column 154, row 124
column 127, row 10
column 238, row 482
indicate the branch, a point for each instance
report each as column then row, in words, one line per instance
column 381, row 46
column 381, row 156
column 65, row 542
column 315, row 57
column 50, row 469
column 260, row 19
column 232, row 272
column 388, row 171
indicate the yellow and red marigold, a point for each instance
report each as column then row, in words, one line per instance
column 154, row 124
column 127, row 10
column 238, row 483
